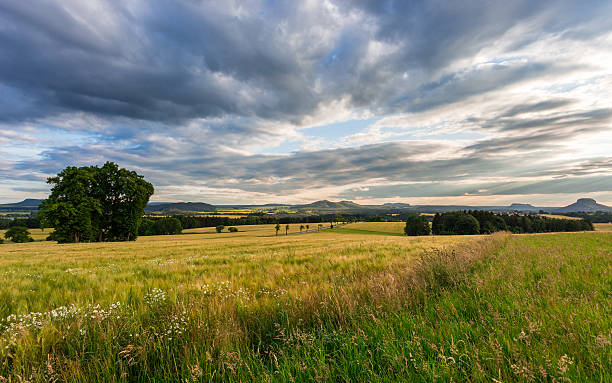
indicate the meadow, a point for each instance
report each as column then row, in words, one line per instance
column 355, row 303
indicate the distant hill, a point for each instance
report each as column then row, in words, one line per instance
column 325, row 204
column 29, row 205
column 522, row 207
column 180, row 208
column 397, row 204
column 26, row 203
column 584, row 205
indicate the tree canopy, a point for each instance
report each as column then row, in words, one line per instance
column 160, row 226
column 94, row 203
column 417, row 225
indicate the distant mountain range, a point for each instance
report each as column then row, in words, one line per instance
column 325, row 207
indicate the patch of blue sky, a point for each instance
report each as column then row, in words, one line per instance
column 338, row 130
column 66, row 138
column 20, row 152
column 34, row 143
column 456, row 136
column 500, row 60
column 286, row 147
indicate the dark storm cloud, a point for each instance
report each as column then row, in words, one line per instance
column 169, row 61
column 181, row 60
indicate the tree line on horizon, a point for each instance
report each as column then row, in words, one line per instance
column 486, row 222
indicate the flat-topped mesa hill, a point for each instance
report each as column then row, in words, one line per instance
column 587, row 205
column 522, row 207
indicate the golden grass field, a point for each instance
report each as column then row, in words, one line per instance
column 603, row 226
column 255, row 257
column 558, row 216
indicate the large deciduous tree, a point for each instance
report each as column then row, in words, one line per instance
column 95, row 204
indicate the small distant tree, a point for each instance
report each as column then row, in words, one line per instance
column 219, row 228
column 307, row 227
column 320, row 226
column 331, row 225
column 301, row 228
column 287, row 229
column 232, row 229
column 18, row 234
column 277, row 227
column 417, row 225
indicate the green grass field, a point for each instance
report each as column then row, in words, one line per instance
column 335, row 305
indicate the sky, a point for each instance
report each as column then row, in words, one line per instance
column 253, row 102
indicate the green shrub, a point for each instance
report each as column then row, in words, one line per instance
column 18, row 234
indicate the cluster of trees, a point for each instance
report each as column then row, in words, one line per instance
column 456, row 222
column 160, row 226
column 485, row 222
column 94, row 203
column 32, row 222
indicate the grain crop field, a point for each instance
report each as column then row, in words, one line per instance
column 334, row 305
column 603, row 226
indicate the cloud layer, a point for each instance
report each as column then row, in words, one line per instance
column 261, row 101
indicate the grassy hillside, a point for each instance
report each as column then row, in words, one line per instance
column 327, row 306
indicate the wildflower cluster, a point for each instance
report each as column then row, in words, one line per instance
column 14, row 324
column 224, row 290
column 96, row 312
column 271, row 293
column 162, row 262
column 156, row 297
column 175, row 326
